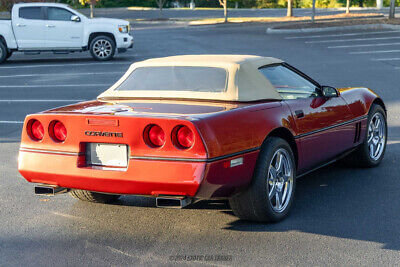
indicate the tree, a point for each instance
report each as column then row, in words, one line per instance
column 313, row 11
column 290, row 8
column 92, row 3
column 224, row 4
column 161, row 4
column 347, row 6
column 392, row 9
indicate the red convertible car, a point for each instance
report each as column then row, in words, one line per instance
column 188, row 128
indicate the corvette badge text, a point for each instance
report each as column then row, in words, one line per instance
column 106, row 134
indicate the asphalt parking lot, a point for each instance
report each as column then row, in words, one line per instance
column 342, row 215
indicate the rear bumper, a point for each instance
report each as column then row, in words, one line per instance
column 142, row 177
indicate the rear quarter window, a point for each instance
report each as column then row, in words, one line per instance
column 31, row 13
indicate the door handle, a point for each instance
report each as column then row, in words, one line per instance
column 50, row 26
column 21, row 25
column 299, row 114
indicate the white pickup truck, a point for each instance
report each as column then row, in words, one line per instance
column 50, row 27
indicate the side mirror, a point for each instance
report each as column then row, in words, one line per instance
column 75, row 18
column 328, row 91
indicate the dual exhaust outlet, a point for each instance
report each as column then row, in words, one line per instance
column 170, row 202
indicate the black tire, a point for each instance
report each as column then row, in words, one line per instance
column 93, row 196
column 361, row 157
column 102, row 42
column 254, row 204
column 3, row 52
column 9, row 54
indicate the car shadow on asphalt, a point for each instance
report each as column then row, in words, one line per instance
column 345, row 202
column 150, row 202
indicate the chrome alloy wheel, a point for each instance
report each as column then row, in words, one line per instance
column 280, row 180
column 102, row 48
column 376, row 136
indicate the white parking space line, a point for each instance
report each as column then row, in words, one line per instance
column 54, row 85
column 375, row 52
column 352, row 40
column 41, row 100
column 339, row 35
column 361, row 45
column 64, row 65
column 386, row 59
column 11, row 122
column 62, row 74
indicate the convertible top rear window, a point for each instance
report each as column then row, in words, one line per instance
column 176, row 78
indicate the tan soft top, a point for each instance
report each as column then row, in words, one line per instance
column 244, row 83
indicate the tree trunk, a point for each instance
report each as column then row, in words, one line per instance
column 392, row 9
column 348, row 7
column 290, row 8
column 160, row 6
column 313, row 11
column 224, row 4
column 92, row 10
column 226, row 11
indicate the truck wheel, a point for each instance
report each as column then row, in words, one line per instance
column 93, row 197
column 3, row 52
column 271, row 193
column 9, row 54
column 370, row 153
column 102, row 48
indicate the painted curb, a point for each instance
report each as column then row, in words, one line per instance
column 331, row 29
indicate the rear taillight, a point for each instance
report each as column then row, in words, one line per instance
column 57, row 131
column 184, row 137
column 35, row 130
column 154, row 136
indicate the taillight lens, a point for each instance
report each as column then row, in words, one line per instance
column 184, row 137
column 154, row 136
column 36, row 130
column 58, row 131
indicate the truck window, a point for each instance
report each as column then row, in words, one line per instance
column 55, row 13
column 30, row 13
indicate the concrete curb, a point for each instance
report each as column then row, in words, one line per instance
column 331, row 29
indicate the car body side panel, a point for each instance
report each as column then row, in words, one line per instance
column 317, row 140
column 221, row 180
column 359, row 100
column 8, row 34
column 242, row 129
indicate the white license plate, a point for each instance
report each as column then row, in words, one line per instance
column 109, row 155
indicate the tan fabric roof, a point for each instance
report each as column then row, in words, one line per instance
column 245, row 82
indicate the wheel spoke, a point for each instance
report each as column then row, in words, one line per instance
column 272, row 172
column 377, row 123
column 278, row 200
column 272, row 191
column 278, row 163
column 372, row 150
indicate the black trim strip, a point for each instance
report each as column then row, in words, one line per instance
column 50, row 151
column 330, row 127
column 197, row 160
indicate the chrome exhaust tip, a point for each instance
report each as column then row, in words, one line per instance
column 49, row 190
column 173, row 202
